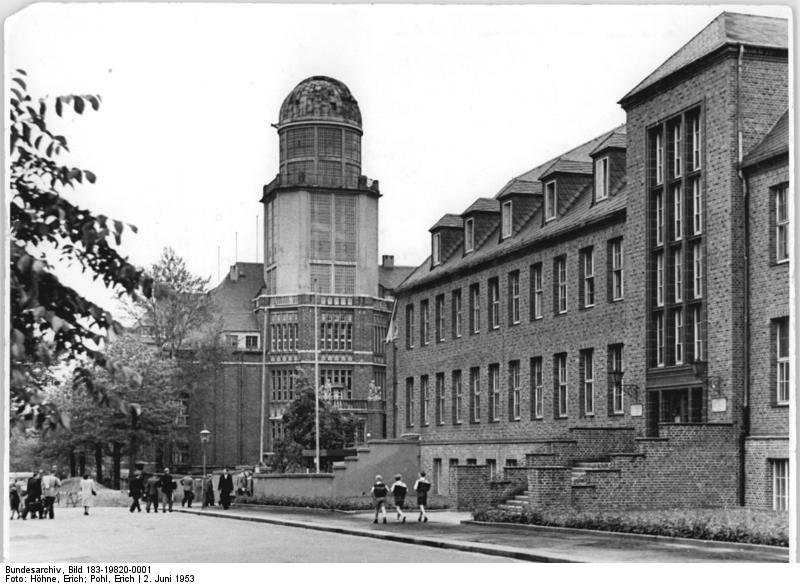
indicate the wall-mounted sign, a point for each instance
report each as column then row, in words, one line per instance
column 636, row 410
column 719, row 404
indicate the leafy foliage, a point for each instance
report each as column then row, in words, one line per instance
column 50, row 320
column 344, row 503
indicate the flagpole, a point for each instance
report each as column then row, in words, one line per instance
column 316, row 372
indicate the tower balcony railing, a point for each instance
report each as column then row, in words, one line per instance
column 333, row 180
column 321, row 299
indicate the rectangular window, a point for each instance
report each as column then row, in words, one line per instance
column 494, row 392
column 475, row 394
column 469, row 235
column 458, row 399
column 617, row 287
column 677, row 266
column 436, row 483
column 697, row 206
column 424, row 323
column 514, row 390
column 697, row 333
column 587, row 381
column 696, row 138
column 659, row 147
column 697, row 270
column 550, row 201
column 474, row 308
column 587, row 277
column 659, row 204
column 440, row 318
column 457, row 313
column 782, row 360
column 513, row 297
column 660, row 339
column 537, row 389
column 780, row 483
column 410, row 402
column 424, row 401
column 251, row 341
column 494, row 303
column 537, row 291
column 436, row 249
column 492, row 465
column 232, row 341
column 677, row 212
column 615, row 365
column 471, row 461
column 659, row 279
column 678, row 321
column 410, row 326
column 560, row 274
column 601, row 179
column 677, row 154
column 781, row 224
column 440, row 404
column 507, row 225
column 561, row 390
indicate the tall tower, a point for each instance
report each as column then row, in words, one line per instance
column 320, row 297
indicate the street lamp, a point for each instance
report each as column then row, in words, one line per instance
column 205, row 436
column 632, row 390
column 700, row 371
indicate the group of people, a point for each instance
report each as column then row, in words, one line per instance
column 37, row 496
column 399, row 490
column 161, row 488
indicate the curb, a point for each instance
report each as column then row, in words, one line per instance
column 463, row 546
column 632, row 536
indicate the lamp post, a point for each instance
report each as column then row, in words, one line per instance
column 316, row 372
column 205, row 436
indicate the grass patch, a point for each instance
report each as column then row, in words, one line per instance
column 354, row 503
column 724, row 524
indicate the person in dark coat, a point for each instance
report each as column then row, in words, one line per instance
column 151, row 487
column 225, row 487
column 136, row 490
column 33, row 501
column 208, row 491
column 14, row 500
column 168, row 486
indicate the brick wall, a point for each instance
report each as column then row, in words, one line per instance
column 473, row 489
column 757, row 472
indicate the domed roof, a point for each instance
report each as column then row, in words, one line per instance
column 320, row 97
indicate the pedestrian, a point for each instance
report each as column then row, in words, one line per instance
column 151, row 493
column 241, row 483
column 208, row 491
column 187, row 483
column 136, row 490
column 33, row 500
column 50, row 485
column 379, row 492
column 422, row 487
column 87, row 493
column 399, row 490
column 14, row 499
column 168, row 486
column 225, row 487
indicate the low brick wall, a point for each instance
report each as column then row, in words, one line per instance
column 757, row 471
column 598, row 442
column 471, row 487
column 293, row 484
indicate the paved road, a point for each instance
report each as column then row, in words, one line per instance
column 116, row 535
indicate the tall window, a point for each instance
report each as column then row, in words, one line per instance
column 587, row 277
column 514, row 390
column 587, row 381
column 697, row 206
column 458, row 398
column 601, row 179
column 677, row 212
column 780, row 483
column 494, row 303
column 469, row 235
column 440, row 318
column 440, row 404
column 659, row 148
column 781, row 225
column 409, row 326
column 678, row 321
column 457, row 313
column 660, row 279
column 550, row 201
column 424, row 406
column 615, row 365
column 660, row 339
column 677, row 266
column 410, row 402
column 475, row 393
column 537, row 389
column 560, row 273
column 616, row 269
column 696, row 139
column 561, row 391
column 182, row 418
column 436, row 249
column 659, row 205
column 513, row 297
column 782, row 360
column 697, row 333
column 676, row 150
column 494, row 392
column 697, row 270
column 506, row 217
column 335, row 331
column 474, row 308
column 424, row 323
column 537, row 291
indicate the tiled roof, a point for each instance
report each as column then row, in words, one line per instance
column 564, row 165
column 233, row 298
column 520, row 187
column 775, row 142
column 615, row 140
column 449, row 220
column 727, row 28
column 484, row 204
column 390, row 278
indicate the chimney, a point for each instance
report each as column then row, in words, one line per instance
column 234, row 275
column 388, row 261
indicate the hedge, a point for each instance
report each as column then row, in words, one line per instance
column 353, row 503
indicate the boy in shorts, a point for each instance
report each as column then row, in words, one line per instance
column 399, row 490
column 379, row 492
column 422, row 487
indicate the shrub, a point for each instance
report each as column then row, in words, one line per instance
column 351, row 503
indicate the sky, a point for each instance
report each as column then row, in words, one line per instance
column 456, row 100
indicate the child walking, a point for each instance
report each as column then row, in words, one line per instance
column 379, row 492
column 422, row 487
column 399, row 490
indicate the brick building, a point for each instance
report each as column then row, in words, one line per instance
column 614, row 322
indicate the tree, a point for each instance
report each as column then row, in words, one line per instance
column 49, row 320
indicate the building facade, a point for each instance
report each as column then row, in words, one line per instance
column 624, row 306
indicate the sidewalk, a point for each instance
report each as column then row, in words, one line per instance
column 453, row 530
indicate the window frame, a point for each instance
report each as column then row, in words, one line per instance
column 697, row 206
column 475, row 395
column 782, row 362
column 678, row 331
column 560, row 274
column 514, row 390
column 697, row 270
column 677, row 212
column 659, row 152
column 550, row 200
column 493, row 288
column 436, row 249
column 659, row 217
column 779, row 470
column 475, row 308
column 587, row 380
column 677, row 274
column 537, row 291
column 506, row 220
column 562, row 385
column 458, row 313
column 494, row 392
column 782, row 230
column 514, row 313
column 604, row 181
column 458, row 397
column 588, row 296
column 469, row 235
column 439, row 317
column 441, row 403
column 424, row 398
column 616, row 353
column 410, row 326
column 424, row 322
column 537, row 388
column 410, row 402
column 660, row 279
column 617, row 270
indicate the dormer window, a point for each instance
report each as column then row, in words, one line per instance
column 601, row 179
column 550, row 201
column 436, row 249
column 505, row 214
column 469, row 235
